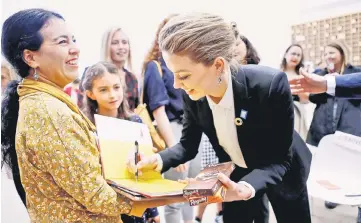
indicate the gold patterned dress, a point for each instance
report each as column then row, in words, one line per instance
column 59, row 160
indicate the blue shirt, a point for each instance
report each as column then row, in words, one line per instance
column 159, row 91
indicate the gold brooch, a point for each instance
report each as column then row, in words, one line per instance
column 238, row 121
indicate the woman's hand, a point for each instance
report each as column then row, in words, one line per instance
column 182, row 168
column 235, row 191
column 145, row 163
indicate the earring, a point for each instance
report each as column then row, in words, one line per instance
column 36, row 75
column 219, row 80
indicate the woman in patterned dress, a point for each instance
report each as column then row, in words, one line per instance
column 44, row 135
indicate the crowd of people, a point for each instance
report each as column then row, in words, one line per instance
column 209, row 99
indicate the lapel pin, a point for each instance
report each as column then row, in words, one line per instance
column 238, row 121
column 243, row 114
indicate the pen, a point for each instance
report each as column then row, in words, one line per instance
column 136, row 156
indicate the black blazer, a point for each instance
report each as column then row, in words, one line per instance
column 272, row 150
column 349, row 86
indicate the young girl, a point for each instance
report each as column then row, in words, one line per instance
column 105, row 95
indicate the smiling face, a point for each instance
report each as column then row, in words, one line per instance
column 196, row 79
column 119, row 47
column 57, row 58
column 332, row 56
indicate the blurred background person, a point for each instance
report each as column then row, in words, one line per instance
column 7, row 74
column 116, row 49
column 291, row 63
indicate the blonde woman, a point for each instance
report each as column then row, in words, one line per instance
column 165, row 106
column 247, row 114
column 116, row 49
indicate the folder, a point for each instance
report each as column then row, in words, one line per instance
column 116, row 139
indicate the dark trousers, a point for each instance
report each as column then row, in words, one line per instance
column 287, row 209
column 262, row 212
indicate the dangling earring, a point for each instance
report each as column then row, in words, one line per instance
column 219, row 80
column 36, row 75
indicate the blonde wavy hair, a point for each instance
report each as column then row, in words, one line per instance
column 105, row 48
column 154, row 53
column 201, row 36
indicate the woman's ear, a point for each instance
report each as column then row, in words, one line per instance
column 29, row 58
column 90, row 95
column 219, row 63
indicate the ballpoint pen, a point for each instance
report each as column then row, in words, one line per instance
column 137, row 159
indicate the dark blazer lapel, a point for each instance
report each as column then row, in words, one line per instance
column 240, row 94
column 206, row 117
column 241, row 102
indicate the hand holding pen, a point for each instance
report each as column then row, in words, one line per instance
column 137, row 162
column 137, row 159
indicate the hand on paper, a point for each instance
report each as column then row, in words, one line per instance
column 235, row 191
column 145, row 163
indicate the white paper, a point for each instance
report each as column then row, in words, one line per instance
column 337, row 160
column 122, row 130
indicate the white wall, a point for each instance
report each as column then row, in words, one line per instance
column 266, row 23
column 140, row 19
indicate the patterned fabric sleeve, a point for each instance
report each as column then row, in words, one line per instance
column 69, row 155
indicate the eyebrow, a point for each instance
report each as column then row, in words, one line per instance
column 182, row 70
column 61, row 36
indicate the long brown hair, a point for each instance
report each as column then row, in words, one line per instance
column 342, row 48
column 94, row 72
column 154, row 53
column 284, row 62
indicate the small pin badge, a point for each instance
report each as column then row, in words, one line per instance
column 238, row 121
column 243, row 114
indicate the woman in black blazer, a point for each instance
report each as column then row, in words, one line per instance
column 247, row 114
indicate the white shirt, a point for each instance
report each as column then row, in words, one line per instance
column 223, row 118
column 331, row 85
column 226, row 129
column 224, row 123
